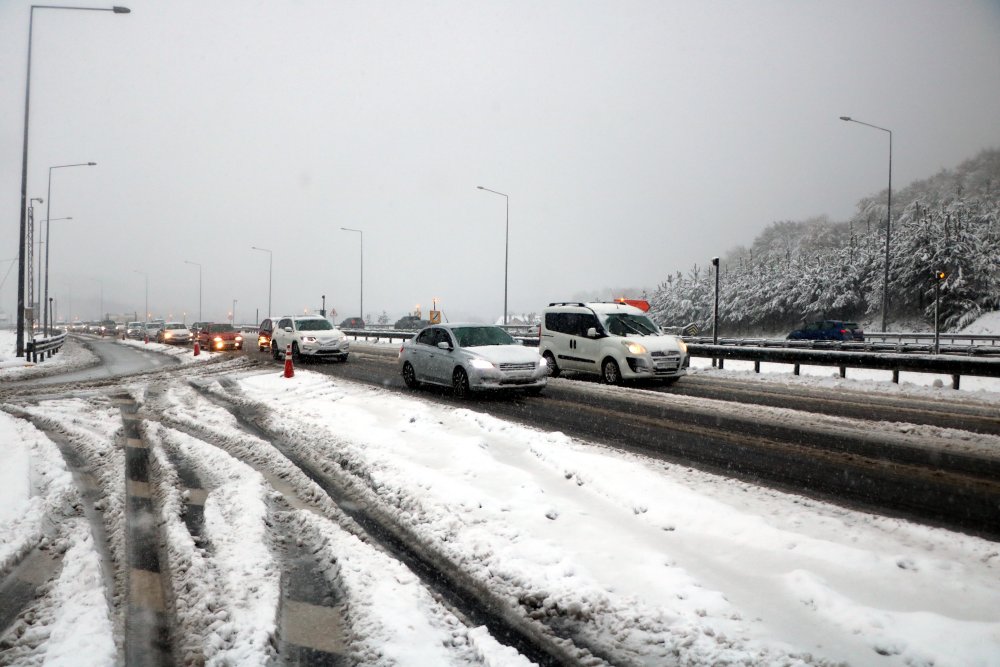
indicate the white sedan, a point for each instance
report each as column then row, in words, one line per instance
column 471, row 357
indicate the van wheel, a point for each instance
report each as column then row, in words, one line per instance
column 551, row 361
column 610, row 373
column 460, row 383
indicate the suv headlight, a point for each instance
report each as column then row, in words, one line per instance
column 683, row 346
column 633, row 347
column 309, row 339
column 481, row 364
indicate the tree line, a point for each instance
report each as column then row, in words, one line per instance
column 819, row 269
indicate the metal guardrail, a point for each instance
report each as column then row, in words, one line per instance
column 41, row 349
column 953, row 360
column 944, row 364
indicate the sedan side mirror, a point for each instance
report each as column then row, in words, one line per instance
column 288, row 330
column 444, row 345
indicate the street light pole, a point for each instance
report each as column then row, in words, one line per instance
column 22, row 220
column 270, row 258
column 362, row 236
column 888, row 222
column 234, row 312
column 146, row 276
column 199, row 286
column 506, row 247
column 48, row 237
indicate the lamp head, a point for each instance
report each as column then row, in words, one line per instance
column 846, row 118
column 91, row 164
column 121, row 10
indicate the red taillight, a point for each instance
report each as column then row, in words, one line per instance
column 843, row 331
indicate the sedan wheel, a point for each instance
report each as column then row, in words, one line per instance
column 610, row 372
column 410, row 376
column 460, row 383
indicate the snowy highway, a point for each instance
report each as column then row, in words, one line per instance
column 213, row 511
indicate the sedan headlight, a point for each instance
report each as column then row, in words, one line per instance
column 481, row 364
column 218, row 339
column 634, row 348
column 239, row 339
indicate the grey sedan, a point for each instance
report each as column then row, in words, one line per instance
column 471, row 357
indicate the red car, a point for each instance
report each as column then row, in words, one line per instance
column 216, row 337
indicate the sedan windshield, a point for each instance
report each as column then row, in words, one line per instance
column 221, row 328
column 480, row 336
column 313, row 325
column 624, row 324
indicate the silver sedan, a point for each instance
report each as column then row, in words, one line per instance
column 471, row 357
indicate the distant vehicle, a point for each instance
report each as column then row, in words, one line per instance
column 411, row 323
column 174, row 333
column 264, row 332
column 218, row 336
column 471, row 357
column 829, row 330
column 310, row 336
column 196, row 327
column 353, row 323
column 135, row 330
column 107, row 328
column 153, row 328
column 614, row 341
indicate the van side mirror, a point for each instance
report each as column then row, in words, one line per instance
column 592, row 332
column 444, row 345
column 288, row 330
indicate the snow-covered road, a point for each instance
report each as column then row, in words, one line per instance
column 636, row 561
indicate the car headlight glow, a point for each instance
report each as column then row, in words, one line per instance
column 309, row 339
column 634, row 348
column 218, row 339
column 682, row 345
column 542, row 362
column 481, row 364
column 239, row 338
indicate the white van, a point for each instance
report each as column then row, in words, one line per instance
column 613, row 340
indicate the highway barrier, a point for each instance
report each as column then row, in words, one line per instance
column 41, row 349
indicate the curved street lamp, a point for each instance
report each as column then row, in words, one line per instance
column 362, row 235
column 24, row 165
column 270, row 264
column 506, row 248
column 48, row 239
column 888, row 221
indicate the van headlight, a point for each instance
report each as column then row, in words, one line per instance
column 634, row 348
column 481, row 364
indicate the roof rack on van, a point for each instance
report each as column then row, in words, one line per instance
column 568, row 303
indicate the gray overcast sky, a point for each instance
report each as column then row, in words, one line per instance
column 633, row 138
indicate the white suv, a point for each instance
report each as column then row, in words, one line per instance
column 613, row 340
column 309, row 336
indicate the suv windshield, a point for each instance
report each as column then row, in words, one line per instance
column 479, row 336
column 625, row 324
column 313, row 325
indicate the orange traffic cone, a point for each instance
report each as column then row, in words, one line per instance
column 146, row 339
column 289, row 370
column 197, row 348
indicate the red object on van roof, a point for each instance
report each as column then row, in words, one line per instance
column 641, row 304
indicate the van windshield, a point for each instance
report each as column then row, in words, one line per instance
column 625, row 324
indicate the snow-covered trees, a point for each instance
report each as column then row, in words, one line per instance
column 817, row 269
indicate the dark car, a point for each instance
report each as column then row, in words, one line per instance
column 353, row 323
column 264, row 333
column 829, row 330
column 411, row 323
column 217, row 337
